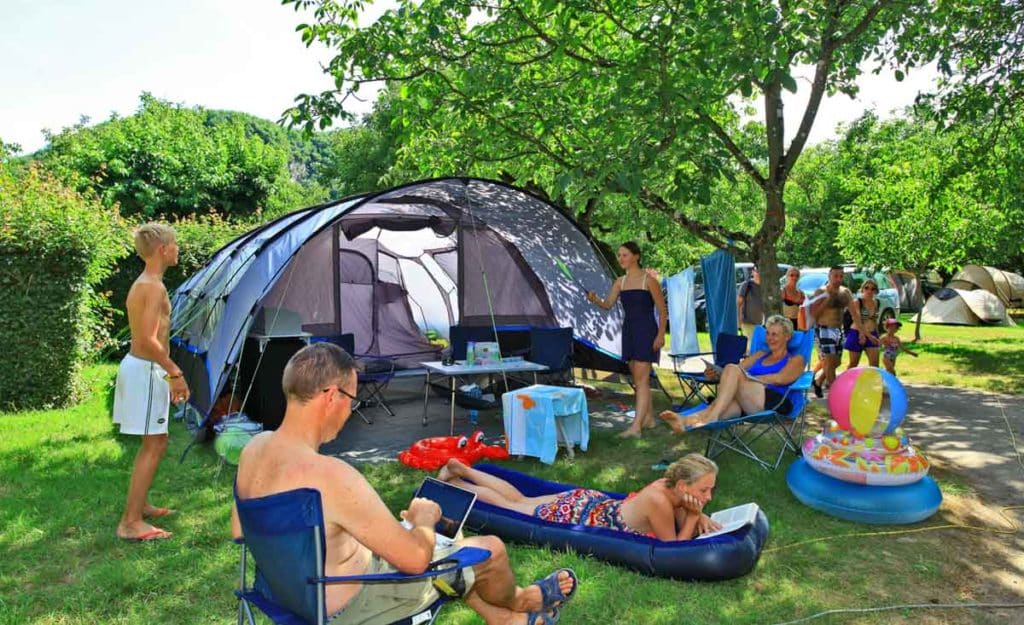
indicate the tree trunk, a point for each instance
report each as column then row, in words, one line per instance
column 762, row 251
column 917, row 326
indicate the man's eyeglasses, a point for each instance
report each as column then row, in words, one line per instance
column 340, row 390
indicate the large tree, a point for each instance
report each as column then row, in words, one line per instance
column 592, row 100
column 912, row 206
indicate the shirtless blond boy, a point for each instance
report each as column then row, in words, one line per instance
column 362, row 536
column 148, row 380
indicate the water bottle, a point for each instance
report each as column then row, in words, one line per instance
column 470, row 355
column 474, row 416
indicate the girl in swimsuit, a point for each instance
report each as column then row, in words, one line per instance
column 669, row 508
column 643, row 335
column 867, row 339
column 892, row 345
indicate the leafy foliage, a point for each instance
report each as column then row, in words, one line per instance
column 168, row 160
column 606, row 102
column 56, row 246
column 913, row 205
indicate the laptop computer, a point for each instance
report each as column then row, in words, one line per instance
column 455, row 505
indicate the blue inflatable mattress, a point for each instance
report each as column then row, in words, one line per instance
column 719, row 557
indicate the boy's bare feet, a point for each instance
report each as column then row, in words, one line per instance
column 629, row 433
column 140, row 530
column 152, row 512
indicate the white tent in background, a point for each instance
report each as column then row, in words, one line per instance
column 965, row 307
column 1007, row 286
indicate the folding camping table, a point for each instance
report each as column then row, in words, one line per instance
column 460, row 370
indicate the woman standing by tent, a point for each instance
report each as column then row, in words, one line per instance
column 642, row 335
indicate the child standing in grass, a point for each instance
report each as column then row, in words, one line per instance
column 147, row 379
column 892, row 345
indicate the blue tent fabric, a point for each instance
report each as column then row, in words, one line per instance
column 719, row 270
column 680, row 312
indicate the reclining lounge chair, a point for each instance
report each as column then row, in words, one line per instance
column 740, row 434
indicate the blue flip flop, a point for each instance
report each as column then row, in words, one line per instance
column 551, row 594
column 549, row 617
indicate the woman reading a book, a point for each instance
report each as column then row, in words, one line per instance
column 669, row 508
column 757, row 383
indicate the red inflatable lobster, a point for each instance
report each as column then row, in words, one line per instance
column 430, row 454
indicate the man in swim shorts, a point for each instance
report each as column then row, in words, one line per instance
column 360, row 534
column 148, row 380
column 828, row 315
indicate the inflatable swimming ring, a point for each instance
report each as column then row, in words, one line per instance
column 719, row 557
column 909, row 503
column 876, row 459
column 430, row 454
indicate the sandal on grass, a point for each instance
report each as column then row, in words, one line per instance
column 549, row 617
column 551, row 594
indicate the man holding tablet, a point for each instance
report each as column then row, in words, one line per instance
column 361, row 534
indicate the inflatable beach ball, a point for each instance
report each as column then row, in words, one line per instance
column 867, row 401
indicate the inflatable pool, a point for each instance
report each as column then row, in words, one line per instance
column 887, row 460
column 719, row 557
column 863, row 503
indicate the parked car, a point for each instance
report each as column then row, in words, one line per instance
column 888, row 297
column 743, row 271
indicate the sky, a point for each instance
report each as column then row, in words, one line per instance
column 61, row 60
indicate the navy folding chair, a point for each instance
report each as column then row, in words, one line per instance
column 285, row 535
column 739, row 434
column 729, row 349
column 374, row 375
column 552, row 347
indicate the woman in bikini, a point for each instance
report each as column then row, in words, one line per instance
column 792, row 297
column 643, row 335
column 669, row 508
column 866, row 340
column 757, row 383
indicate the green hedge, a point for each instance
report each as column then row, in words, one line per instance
column 56, row 245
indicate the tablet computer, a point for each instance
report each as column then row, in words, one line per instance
column 455, row 505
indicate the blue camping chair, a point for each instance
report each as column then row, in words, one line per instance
column 729, row 349
column 552, row 347
column 740, row 433
column 373, row 376
column 285, row 534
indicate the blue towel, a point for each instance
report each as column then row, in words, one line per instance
column 719, row 269
column 680, row 312
column 530, row 414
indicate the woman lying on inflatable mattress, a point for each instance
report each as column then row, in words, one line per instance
column 669, row 508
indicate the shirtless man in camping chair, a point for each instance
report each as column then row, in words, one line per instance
column 361, row 534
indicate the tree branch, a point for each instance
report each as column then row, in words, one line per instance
column 718, row 236
column 733, row 149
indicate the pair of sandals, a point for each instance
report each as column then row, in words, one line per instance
column 552, row 598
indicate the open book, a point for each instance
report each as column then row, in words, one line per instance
column 733, row 518
column 718, row 371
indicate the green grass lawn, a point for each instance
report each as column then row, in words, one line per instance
column 64, row 475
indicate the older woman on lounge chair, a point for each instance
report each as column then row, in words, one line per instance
column 757, row 383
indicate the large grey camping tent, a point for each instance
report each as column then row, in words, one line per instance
column 908, row 286
column 387, row 267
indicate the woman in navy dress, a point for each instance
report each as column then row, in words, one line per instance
column 643, row 335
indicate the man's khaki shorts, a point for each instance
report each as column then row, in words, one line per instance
column 378, row 604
